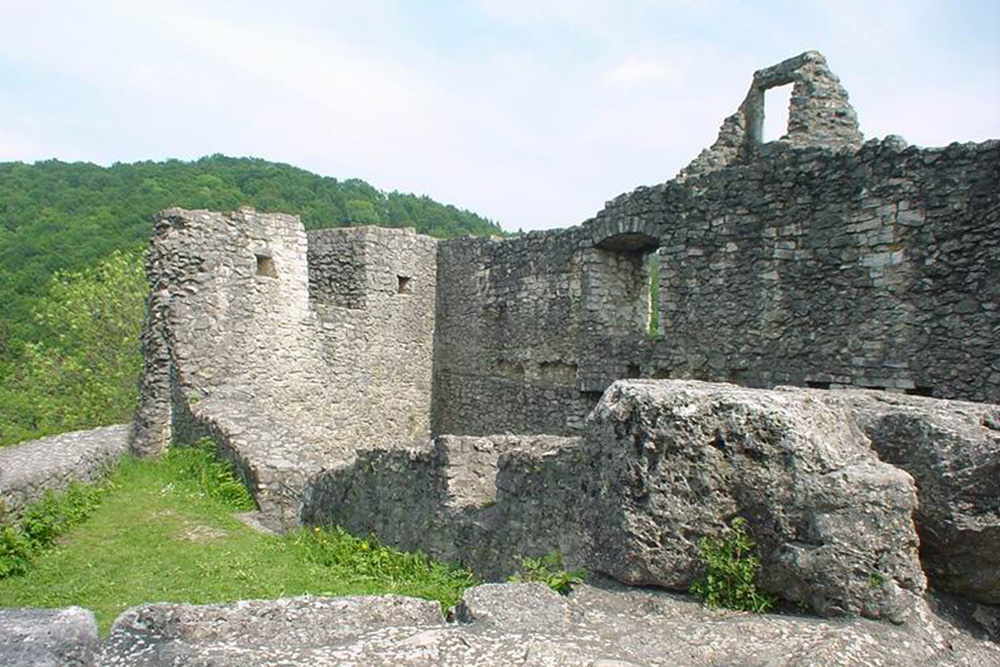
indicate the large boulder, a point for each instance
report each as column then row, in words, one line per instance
column 952, row 450
column 673, row 462
column 64, row 637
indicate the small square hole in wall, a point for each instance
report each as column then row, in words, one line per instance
column 265, row 266
column 403, row 284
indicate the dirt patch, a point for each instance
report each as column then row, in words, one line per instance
column 202, row 533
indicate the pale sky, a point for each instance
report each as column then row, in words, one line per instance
column 529, row 112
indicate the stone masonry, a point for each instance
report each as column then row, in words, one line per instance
column 487, row 399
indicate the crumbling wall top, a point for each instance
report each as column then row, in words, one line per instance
column 819, row 114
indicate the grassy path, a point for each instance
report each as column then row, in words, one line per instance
column 165, row 532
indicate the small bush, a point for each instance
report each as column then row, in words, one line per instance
column 730, row 578
column 42, row 522
column 216, row 478
column 549, row 570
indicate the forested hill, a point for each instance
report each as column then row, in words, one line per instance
column 56, row 216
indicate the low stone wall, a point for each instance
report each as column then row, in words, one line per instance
column 818, row 475
column 29, row 469
column 483, row 501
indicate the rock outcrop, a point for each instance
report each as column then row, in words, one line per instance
column 664, row 464
column 675, row 461
column 952, row 450
column 525, row 624
column 64, row 637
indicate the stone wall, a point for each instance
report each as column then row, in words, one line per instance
column 29, row 469
column 293, row 352
column 530, row 331
column 876, row 268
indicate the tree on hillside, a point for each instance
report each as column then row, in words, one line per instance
column 85, row 372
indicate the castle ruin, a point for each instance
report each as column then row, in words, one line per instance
column 484, row 399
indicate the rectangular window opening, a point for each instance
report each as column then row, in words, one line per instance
column 777, row 101
column 265, row 267
column 403, row 284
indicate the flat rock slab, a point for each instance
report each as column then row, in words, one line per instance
column 29, row 469
column 514, row 624
column 47, row 637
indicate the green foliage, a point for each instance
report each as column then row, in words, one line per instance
column 336, row 548
column 549, row 570
column 41, row 523
column 161, row 533
column 215, row 477
column 56, row 216
column 730, row 578
column 83, row 371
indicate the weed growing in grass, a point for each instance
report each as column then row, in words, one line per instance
column 549, row 570
column 215, row 477
column 42, row 522
column 731, row 566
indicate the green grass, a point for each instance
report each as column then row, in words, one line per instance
column 164, row 532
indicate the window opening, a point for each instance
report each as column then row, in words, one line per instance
column 654, row 294
column 265, row 267
column 777, row 101
column 402, row 284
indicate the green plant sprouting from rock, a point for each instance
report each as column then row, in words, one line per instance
column 731, row 567
column 549, row 570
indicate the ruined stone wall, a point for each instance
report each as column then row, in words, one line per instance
column 377, row 352
column 288, row 379
column 530, row 331
column 875, row 268
column 878, row 268
column 813, row 260
column 29, row 470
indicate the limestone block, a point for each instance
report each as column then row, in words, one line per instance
column 674, row 461
column 64, row 637
column 952, row 450
column 604, row 625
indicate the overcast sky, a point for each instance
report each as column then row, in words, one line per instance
column 530, row 112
